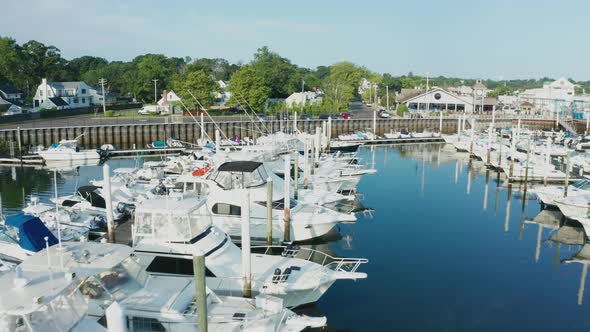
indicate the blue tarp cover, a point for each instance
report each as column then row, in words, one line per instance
column 31, row 232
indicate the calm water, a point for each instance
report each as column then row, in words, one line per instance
column 439, row 261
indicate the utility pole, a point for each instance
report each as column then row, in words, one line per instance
column 102, row 82
column 387, row 92
column 155, row 90
column 302, row 95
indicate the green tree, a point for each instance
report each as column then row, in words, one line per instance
column 278, row 73
column 43, row 61
column 79, row 66
column 341, row 85
column 247, row 84
column 11, row 62
column 200, row 84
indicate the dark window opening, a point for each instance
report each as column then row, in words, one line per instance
column 227, row 209
column 173, row 265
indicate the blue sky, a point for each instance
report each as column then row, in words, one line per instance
column 466, row 38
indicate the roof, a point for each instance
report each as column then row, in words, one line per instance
column 65, row 85
column 8, row 89
column 239, row 166
column 57, row 101
column 42, row 288
column 406, row 94
column 168, row 205
column 479, row 85
column 83, row 258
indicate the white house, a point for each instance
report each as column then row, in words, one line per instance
column 221, row 98
column 168, row 97
column 298, row 98
column 555, row 95
column 72, row 94
column 10, row 93
column 365, row 85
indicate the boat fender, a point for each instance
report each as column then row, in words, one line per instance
column 201, row 171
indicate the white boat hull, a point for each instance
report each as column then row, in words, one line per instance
column 69, row 156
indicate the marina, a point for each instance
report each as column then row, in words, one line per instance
column 250, row 167
column 513, row 236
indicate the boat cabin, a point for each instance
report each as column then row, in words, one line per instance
column 239, row 175
column 169, row 219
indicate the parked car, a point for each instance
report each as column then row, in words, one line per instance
column 306, row 117
column 148, row 109
column 384, row 114
column 327, row 116
column 345, row 115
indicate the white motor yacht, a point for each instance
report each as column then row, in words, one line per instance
column 167, row 236
column 43, row 301
column 548, row 194
column 67, row 150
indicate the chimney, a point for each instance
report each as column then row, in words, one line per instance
column 165, row 98
column 44, row 83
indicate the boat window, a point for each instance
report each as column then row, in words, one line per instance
column 174, row 265
column 582, row 184
column 147, row 324
column 280, row 204
column 227, row 209
column 9, row 232
column 239, row 180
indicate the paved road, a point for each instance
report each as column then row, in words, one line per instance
column 358, row 110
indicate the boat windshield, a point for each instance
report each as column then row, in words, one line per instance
column 61, row 314
column 582, row 184
column 167, row 227
column 116, row 283
column 240, row 180
column 9, row 234
column 280, row 204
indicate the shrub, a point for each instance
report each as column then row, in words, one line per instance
column 48, row 112
column 109, row 114
column 402, row 109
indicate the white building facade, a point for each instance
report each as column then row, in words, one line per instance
column 557, row 95
column 299, row 98
column 74, row 94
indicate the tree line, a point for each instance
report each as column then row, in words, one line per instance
column 267, row 76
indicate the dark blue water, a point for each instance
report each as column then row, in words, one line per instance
column 438, row 260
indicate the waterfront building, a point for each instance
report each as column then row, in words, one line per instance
column 437, row 99
column 557, row 95
column 298, row 98
column 72, row 95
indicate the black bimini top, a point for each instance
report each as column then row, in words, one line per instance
column 239, row 166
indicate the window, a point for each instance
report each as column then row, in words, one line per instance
column 227, row 209
column 280, row 204
column 173, row 265
column 83, row 91
column 41, row 93
column 75, row 100
column 83, row 100
column 437, row 96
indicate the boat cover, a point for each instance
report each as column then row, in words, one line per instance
column 31, row 232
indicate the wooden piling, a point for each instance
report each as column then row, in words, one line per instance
column 269, row 188
column 200, row 292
